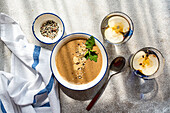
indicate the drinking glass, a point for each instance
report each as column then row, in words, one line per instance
column 147, row 57
column 147, row 64
column 117, row 28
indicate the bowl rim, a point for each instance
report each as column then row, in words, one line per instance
column 42, row 15
column 103, row 49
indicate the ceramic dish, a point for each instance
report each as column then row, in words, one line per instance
column 40, row 20
column 90, row 84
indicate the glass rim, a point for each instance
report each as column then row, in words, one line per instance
column 160, row 64
column 125, row 16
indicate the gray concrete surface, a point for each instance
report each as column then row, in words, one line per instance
column 151, row 19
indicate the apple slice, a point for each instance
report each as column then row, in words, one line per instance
column 112, row 36
column 138, row 58
column 153, row 65
column 147, row 65
column 119, row 23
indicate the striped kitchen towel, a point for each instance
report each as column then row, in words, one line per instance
column 30, row 87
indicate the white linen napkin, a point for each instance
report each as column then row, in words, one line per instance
column 30, row 87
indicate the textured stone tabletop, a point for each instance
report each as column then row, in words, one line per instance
column 151, row 20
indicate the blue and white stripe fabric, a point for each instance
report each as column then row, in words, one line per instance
column 30, row 86
column 36, row 55
column 2, row 107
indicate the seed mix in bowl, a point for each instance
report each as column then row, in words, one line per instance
column 49, row 29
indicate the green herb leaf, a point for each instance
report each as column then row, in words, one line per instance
column 91, row 54
column 87, row 54
column 90, row 43
column 92, row 51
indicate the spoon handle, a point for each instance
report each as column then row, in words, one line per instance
column 93, row 102
column 96, row 97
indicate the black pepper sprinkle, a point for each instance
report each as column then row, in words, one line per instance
column 50, row 27
column 77, row 63
column 147, row 55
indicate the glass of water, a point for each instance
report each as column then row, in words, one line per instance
column 117, row 28
column 147, row 64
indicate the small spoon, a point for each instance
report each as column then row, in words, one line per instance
column 116, row 65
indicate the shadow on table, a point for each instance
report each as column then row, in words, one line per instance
column 165, row 78
column 84, row 94
column 140, row 89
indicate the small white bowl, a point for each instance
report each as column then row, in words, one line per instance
column 82, row 86
column 42, row 18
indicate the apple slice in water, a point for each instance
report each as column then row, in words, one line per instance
column 118, row 23
column 117, row 26
column 112, row 36
column 147, row 64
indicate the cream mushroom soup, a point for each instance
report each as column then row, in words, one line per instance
column 73, row 66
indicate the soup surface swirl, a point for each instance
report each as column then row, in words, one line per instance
column 73, row 66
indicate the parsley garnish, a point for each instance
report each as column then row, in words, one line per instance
column 91, row 54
